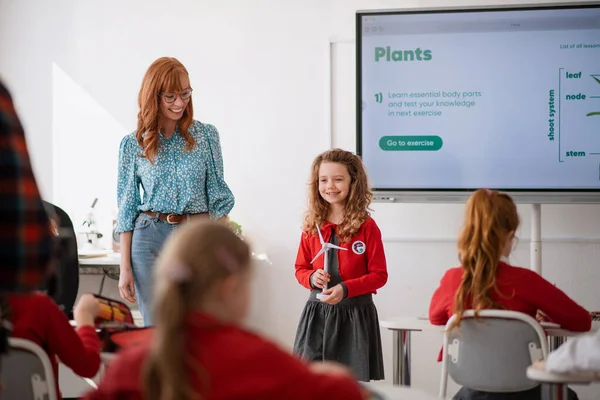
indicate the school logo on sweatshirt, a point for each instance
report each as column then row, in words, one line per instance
column 358, row 247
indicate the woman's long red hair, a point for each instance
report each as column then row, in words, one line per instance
column 166, row 74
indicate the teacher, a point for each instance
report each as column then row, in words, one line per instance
column 177, row 162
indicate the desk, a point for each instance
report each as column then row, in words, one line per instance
column 107, row 358
column 557, row 336
column 557, row 383
column 107, row 265
column 402, row 327
column 75, row 386
column 111, row 260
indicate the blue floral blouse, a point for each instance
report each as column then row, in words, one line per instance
column 179, row 182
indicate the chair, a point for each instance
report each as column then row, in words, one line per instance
column 492, row 353
column 65, row 283
column 27, row 372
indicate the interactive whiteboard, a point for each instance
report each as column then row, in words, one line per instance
column 457, row 99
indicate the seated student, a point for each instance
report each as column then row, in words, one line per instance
column 36, row 317
column 26, row 251
column 199, row 348
column 484, row 281
column 578, row 355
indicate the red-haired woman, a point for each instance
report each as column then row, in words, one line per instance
column 170, row 170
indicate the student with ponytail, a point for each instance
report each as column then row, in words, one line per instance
column 170, row 171
column 486, row 281
column 199, row 349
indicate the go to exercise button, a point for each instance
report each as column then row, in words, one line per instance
column 410, row 143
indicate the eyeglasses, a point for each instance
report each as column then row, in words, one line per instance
column 171, row 97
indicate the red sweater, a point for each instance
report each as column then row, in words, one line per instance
column 520, row 290
column 37, row 318
column 238, row 365
column 362, row 267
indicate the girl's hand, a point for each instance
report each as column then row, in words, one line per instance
column 336, row 294
column 330, row 368
column 319, row 278
column 541, row 317
column 541, row 365
column 86, row 310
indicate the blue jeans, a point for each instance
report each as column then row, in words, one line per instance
column 148, row 238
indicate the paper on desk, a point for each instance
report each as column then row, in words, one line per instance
column 546, row 324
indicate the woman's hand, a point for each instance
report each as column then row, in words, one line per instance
column 335, row 294
column 126, row 287
column 319, row 278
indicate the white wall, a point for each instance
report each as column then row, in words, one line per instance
column 260, row 70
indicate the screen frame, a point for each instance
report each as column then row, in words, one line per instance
column 537, row 195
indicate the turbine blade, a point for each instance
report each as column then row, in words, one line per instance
column 320, row 235
column 318, row 254
column 333, row 246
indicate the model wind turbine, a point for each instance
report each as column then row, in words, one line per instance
column 325, row 247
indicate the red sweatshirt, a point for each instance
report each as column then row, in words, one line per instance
column 37, row 318
column 362, row 267
column 238, row 365
column 520, row 290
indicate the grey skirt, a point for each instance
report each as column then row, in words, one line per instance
column 347, row 332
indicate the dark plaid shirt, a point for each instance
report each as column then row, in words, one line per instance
column 26, row 241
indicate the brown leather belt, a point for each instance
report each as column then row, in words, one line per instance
column 173, row 219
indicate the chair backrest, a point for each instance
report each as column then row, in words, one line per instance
column 26, row 372
column 66, row 278
column 492, row 353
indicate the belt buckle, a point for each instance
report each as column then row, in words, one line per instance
column 169, row 219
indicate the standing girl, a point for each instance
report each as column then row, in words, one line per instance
column 485, row 281
column 177, row 162
column 344, row 326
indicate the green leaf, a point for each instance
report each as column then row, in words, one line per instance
column 237, row 228
column 593, row 113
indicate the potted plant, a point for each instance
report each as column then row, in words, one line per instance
column 237, row 228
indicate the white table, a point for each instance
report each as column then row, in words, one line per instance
column 557, row 383
column 402, row 327
column 108, row 260
column 103, row 265
column 75, row 386
column 557, row 336
column 107, row 358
